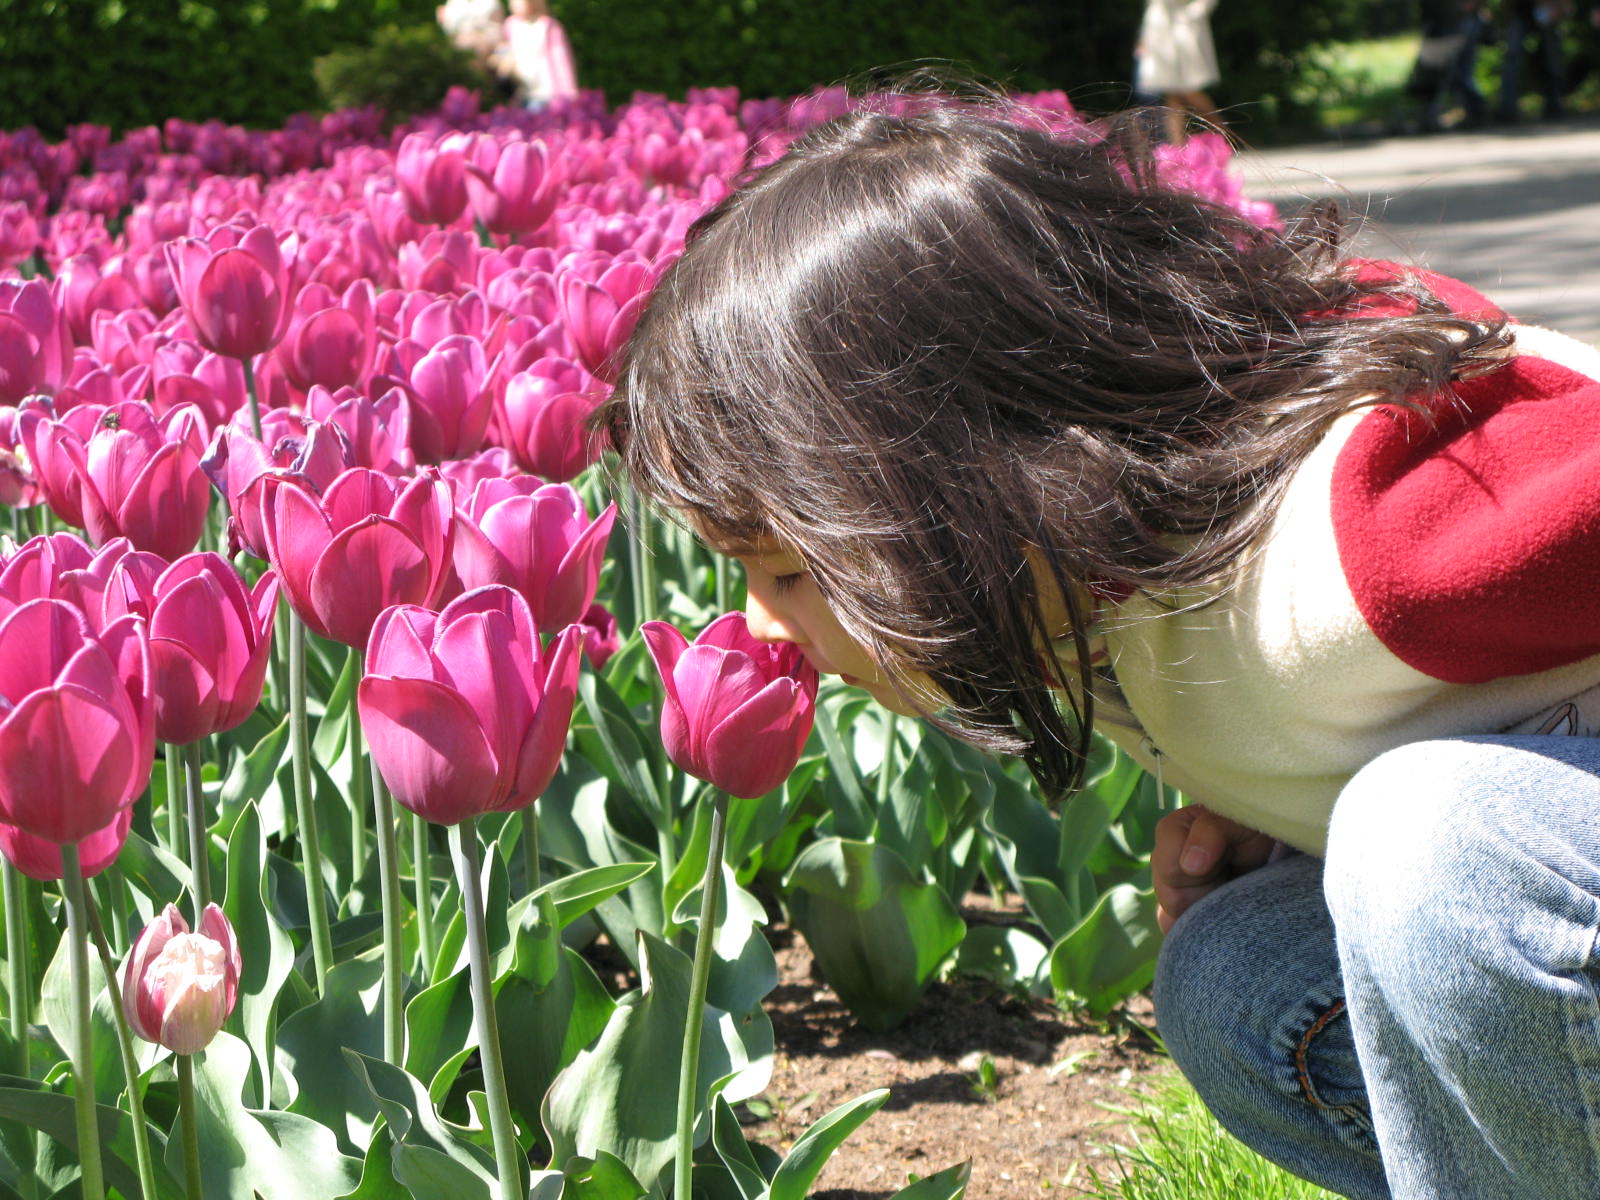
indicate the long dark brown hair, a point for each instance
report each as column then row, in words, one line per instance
column 936, row 350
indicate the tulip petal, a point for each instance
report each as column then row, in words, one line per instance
column 67, row 765
column 547, row 737
column 755, row 747
column 429, row 747
column 366, row 569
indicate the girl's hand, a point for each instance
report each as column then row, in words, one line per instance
column 1197, row 852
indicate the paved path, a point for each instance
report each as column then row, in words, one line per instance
column 1515, row 213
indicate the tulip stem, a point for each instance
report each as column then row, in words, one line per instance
column 389, row 882
column 508, row 1155
column 175, row 835
column 530, row 846
column 18, row 987
column 19, row 993
column 188, row 1113
column 250, row 393
column 199, row 831
column 422, row 870
column 88, row 1126
column 130, row 1063
column 305, row 805
column 699, row 983
column 358, row 780
column 891, row 730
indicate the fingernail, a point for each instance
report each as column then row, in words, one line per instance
column 1195, row 861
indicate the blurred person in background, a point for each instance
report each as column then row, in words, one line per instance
column 1542, row 22
column 536, row 56
column 1176, row 59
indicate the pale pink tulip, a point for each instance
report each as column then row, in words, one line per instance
column 178, row 988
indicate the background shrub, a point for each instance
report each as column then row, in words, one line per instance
column 405, row 70
column 127, row 63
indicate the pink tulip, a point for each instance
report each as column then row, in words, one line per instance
column 537, row 539
column 35, row 342
column 599, row 315
column 601, row 638
column 82, row 289
column 49, row 566
column 234, row 287
column 78, row 733
column 737, row 711
column 452, row 396
column 40, row 858
column 19, row 233
column 369, row 542
column 432, row 177
column 544, row 419
column 464, row 712
column 139, row 477
column 178, row 988
column 17, row 489
column 513, row 187
column 210, row 637
column 331, row 340
column 309, row 451
column 183, row 373
column 378, row 431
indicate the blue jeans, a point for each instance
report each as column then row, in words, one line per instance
column 1417, row 1016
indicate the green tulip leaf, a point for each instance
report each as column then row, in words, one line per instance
column 311, row 1043
column 438, row 1025
column 26, row 1102
column 247, row 1153
column 415, row 1125
column 599, row 1102
column 852, row 810
column 579, row 892
column 733, row 1148
column 253, row 773
column 544, row 1028
column 1090, row 812
column 878, row 933
column 265, row 950
column 328, row 743
column 816, row 1145
column 55, row 1002
column 1010, row 957
column 1112, row 952
column 155, row 875
column 948, row 1184
column 629, row 752
column 603, row 1177
column 377, row 1171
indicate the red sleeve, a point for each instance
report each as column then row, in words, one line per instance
column 1471, row 541
column 1458, row 297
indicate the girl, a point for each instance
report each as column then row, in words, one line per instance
column 1011, row 436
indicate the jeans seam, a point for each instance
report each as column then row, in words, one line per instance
column 1304, row 1048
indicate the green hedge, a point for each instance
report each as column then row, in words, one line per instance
column 134, row 62
column 127, row 63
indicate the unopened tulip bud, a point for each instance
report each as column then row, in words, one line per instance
column 179, row 987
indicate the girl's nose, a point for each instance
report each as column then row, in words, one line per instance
column 765, row 624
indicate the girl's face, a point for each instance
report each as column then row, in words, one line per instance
column 785, row 605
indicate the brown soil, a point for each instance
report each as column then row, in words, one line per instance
column 1035, row 1131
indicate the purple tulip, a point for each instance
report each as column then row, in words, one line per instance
column 737, row 711
column 369, row 542
column 537, row 539
column 464, row 712
column 77, row 737
column 236, row 462
column 179, row 987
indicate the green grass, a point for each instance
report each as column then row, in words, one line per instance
column 1175, row 1150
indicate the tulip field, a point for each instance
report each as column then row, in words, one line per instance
column 348, row 702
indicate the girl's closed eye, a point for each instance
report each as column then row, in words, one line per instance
column 786, row 582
